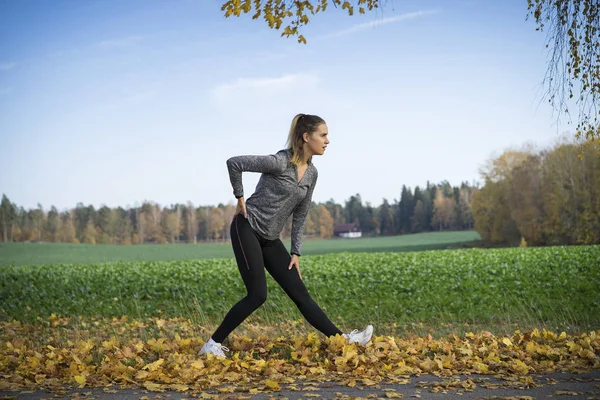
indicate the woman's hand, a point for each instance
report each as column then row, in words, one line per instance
column 241, row 208
column 295, row 262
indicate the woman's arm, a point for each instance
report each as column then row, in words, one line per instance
column 299, row 219
column 273, row 163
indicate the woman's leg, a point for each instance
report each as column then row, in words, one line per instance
column 276, row 260
column 249, row 257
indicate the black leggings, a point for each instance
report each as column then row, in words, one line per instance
column 253, row 253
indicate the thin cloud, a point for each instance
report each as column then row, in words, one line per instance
column 119, row 43
column 7, row 66
column 384, row 21
column 251, row 87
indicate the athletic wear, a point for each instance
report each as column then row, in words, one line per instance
column 253, row 254
column 278, row 194
column 256, row 243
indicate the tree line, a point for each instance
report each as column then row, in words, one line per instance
column 530, row 197
column 544, row 197
column 434, row 207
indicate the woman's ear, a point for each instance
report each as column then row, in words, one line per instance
column 305, row 137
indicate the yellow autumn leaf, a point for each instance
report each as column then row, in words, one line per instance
column 179, row 387
column 158, row 345
column 155, row 365
column 480, row 367
column 427, row 365
column 154, row 387
column 317, row 370
column 271, row 384
column 33, row 362
column 139, row 347
column 84, row 347
column 232, row 377
column 141, row 375
column 519, row 367
column 466, row 351
column 112, row 343
column 128, row 353
column 589, row 354
column 80, row 379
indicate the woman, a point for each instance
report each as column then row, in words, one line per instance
column 285, row 188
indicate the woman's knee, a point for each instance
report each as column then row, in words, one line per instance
column 258, row 298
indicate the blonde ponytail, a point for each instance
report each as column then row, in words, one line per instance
column 301, row 123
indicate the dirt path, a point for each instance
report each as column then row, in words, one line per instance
column 561, row 385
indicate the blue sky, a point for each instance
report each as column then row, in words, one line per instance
column 116, row 102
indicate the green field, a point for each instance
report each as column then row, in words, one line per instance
column 388, row 280
column 60, row 253
column 555, row 287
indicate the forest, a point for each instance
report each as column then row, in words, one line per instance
column 529, row 197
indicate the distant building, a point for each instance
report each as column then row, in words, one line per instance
column 347, row 230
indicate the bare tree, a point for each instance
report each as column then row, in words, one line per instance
column 191, row 224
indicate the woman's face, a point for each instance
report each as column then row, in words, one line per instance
column 317, row 141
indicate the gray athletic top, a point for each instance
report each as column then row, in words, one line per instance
column 277, row 195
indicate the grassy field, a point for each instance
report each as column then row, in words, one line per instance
column 60, row 253
column 554, row 287
column 389, row 281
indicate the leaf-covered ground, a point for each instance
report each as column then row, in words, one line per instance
column 161, row 354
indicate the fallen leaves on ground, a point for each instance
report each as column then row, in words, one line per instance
column 58, row 353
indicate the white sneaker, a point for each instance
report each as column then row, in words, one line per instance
column 360, row 337
column 213, row 348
